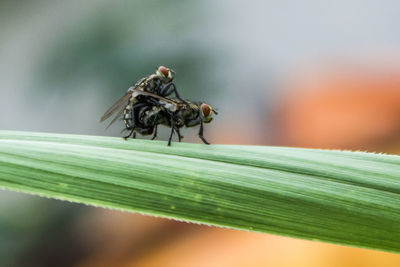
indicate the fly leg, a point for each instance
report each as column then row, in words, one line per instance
column 155, row 127
column 133, row 136
column 172, row 127
column 155, row 133
column 179, row 134
column 168, row 88
column 197, row 122
column 170, row 136
column 130, row 133
column 201, row 134
column 172, row 131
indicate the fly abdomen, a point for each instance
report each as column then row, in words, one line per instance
column 128, row 117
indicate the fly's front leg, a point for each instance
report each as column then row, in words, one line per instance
column 197, row 122
column 193, row 122
column 201, row 134
column 168, row 88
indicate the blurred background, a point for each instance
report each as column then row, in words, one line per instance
column 322, row 74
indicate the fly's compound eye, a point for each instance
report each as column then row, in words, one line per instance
column 207, row 112
column 206, row 109
column 164, row 71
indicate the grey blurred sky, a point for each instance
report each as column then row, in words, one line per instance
column 244, row 48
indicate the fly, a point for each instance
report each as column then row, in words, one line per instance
column 144, row 117
column 160, row 83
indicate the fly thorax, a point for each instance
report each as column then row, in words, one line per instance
column 192, row 113
column 153, row 85
column 140, row 83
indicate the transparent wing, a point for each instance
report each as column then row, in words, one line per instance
column 136, row 92
column 116, row 116
column 121, row 103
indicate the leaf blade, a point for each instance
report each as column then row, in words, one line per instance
column 342, row 197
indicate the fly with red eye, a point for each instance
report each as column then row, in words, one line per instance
column 160, row 83
column 189, row 114
column 146, row 105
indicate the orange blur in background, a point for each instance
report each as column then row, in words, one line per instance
column 344, row 109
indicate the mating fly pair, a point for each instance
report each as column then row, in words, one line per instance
column 146, row 105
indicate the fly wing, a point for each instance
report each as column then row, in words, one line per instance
column 137, row 92
column 116, row 117
column 120, row 104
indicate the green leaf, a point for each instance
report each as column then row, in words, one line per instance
column 350, row 198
